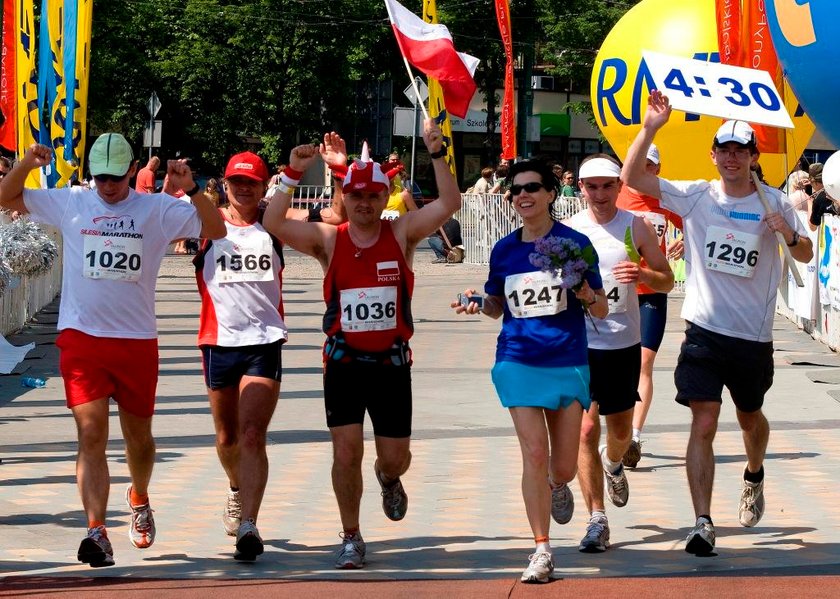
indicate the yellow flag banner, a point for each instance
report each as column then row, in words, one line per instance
column 27, row 83
column 437, row 107
column 83, row 34
column 58, row 45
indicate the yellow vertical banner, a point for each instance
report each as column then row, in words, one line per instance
column 27, row 83
column 83, row 34
column 58, row 110
column 437, row 107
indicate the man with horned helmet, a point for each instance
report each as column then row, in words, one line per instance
column 368, row 286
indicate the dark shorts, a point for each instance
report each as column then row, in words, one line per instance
column 314, row 216
column 614, row 378
column 709, row 361
column 225, row 366
column 383, row 390
column 653, row 308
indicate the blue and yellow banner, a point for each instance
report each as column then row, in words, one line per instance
column 437, row 106
column 81, row 67
column 27, row 82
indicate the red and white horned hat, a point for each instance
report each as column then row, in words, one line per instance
column 366, row 175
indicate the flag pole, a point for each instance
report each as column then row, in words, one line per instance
column 407, row 66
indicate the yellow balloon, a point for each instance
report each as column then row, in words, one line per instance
column 621, row 84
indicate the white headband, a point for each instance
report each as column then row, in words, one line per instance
column 599, row 167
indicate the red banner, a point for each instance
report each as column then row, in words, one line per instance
column 728, row 14
column 508, row 116
column 761, row 55
column 8, row 90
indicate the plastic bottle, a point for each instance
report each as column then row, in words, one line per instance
column 36, row 383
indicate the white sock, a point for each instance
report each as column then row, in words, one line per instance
column 543, row 547
column 637, row 434
column 609, row 465
column 598, row 514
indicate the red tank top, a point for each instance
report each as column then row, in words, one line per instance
column 649, row 208
column 368, row 292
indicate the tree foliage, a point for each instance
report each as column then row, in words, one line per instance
column 274, row 73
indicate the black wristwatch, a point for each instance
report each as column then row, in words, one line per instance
column 795, row 240
column 194, row 190
column 439, row 154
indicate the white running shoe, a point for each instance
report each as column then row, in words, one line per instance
column 232, row 515
column 751, row 507
column 141, row 528
column 539, row 569
column 701, row 539
column 351, row 556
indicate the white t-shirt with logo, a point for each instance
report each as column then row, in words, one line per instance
column 622, row 326
column 733, row 265
column 112, row 254
column 240, row 286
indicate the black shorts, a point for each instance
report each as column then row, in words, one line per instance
column 314, row 216
column 653, row 309
column 614, row 378
column 383, row 390
column 709, row 361
column 225, row 366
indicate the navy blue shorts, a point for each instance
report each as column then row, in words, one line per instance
column 383, row 390
column 653, row 308
column 709, row 361
column 614, row 378
column 225, row 366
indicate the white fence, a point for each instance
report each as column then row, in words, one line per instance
column 486, row 218
column 19, row 305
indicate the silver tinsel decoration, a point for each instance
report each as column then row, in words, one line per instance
column 25, row 249
column 5, row 277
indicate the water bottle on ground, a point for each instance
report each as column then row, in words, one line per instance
column 35, row 383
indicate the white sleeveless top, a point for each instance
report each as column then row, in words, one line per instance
column 614, row 243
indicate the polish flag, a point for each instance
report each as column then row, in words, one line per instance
column 430, row 49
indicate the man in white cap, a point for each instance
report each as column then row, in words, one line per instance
column 367, row 288
column 114, row 242
column 628, row 254
column 733, row 271
column 653, row 305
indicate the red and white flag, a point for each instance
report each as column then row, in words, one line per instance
column 430, row 49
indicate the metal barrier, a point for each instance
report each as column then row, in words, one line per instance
column 312, row 196
column 486, row 218
column 19, row 305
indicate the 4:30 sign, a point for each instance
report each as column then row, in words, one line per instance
column 718, row 90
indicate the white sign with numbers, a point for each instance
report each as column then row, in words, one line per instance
column 716, row 89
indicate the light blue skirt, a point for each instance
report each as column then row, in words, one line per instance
column 552, row 388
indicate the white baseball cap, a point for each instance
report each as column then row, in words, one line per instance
column 737, row 131
column 653, row 154
column 599, row 167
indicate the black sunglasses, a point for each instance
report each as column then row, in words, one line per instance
column 112, row 178
column 531, row 187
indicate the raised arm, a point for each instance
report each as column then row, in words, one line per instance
column 313, row 239
column 11, row 187
column 419, row 224
column 634, row 173
column 334, row 154
column 180, row 175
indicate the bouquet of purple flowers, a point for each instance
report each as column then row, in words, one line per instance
column 565, row 259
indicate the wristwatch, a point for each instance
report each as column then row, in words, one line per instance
column 795, row 239
column 439, row 154
column 194, row 190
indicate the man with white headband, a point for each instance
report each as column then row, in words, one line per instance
column 628, row 254
column 368, row 286
column 653, row 306
column 733, row 270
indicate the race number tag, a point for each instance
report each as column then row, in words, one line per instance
column 115, row 258
column 390, row 215
column 616, row 293
column 247, row 260
column 732, row 252
column 534, row 294
column 657, row 221
column 368, row 309
column 730, row 92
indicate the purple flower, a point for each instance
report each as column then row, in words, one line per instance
column 560, row 256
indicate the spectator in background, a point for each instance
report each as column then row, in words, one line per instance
column 499, row 178
column 822, row 202
column 484, row 183
column 568, row 183
column 446, row 239
column 275, row 179
column 212, row 191
column 797, row 192
column 146, row 176
column 5, row 166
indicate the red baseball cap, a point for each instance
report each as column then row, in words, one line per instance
column 247, row 164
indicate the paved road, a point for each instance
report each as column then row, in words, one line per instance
column 466, row 521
